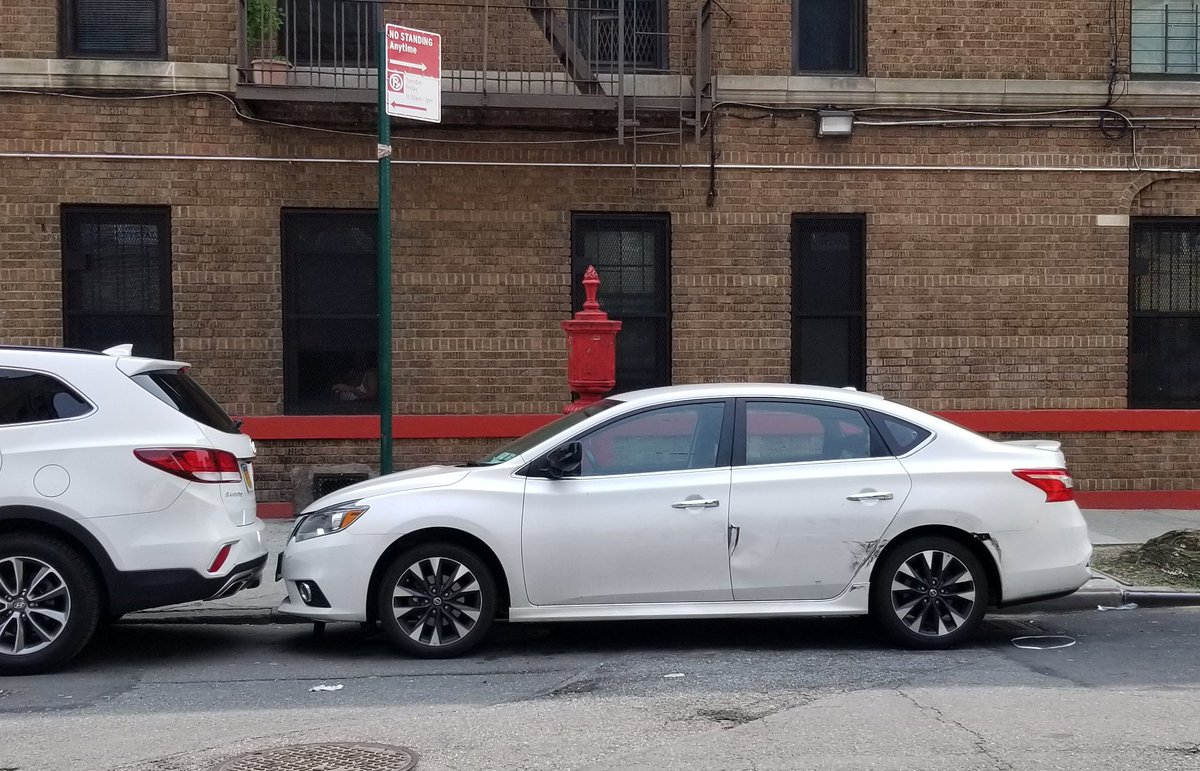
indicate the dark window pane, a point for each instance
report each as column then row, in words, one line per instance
column 827, row 35
column 630, row 252
column 594, row 29
column 901, row 435
column 665, row 439
column 327, row 33
column 30, row 397
column 828, row 305
column 828, row 350
column 1164, row 330
column 178, row 389
column 117, row 279
column 116, row 29
column 331, row 329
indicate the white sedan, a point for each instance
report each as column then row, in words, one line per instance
column 701, row 501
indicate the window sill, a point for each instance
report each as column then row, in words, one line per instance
column 851, row 91
column 113, row 75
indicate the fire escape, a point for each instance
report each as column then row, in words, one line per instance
column 638, row 68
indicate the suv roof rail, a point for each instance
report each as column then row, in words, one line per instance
column 48, row 349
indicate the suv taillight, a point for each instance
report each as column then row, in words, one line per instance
column 1056, row 483
column 194, row 465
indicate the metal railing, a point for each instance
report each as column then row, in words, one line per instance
column 567, row 53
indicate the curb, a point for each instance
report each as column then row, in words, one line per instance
column 247, row 617
column 1114, row 597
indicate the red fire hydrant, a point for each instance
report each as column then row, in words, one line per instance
column 592, row 348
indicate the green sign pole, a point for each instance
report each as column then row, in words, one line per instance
column 384, row 270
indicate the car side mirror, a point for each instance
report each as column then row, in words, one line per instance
column 564, row 461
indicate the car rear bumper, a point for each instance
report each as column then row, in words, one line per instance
column 141, row 589
column 1049, row 559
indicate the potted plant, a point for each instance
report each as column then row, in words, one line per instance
column 263, row 21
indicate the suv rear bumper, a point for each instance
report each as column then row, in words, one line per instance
column 140, row 589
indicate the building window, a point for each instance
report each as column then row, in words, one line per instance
column 328, row 33
column 595, row 25
column 1165, row 37
column 631, row 254
column 1164, row 328
column 827, row 36
column 330, row 319
column 117, row 278
column 828, row 301
column 113, row 29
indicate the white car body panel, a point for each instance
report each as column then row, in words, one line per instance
column 593, row 547
column 144, row 518
column 608, row 539
column 810, row 546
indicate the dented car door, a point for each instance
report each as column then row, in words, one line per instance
column 813, row 490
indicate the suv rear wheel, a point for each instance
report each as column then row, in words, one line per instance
column 49, row 605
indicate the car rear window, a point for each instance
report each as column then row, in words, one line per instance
column 176, row 388
column 900, row 435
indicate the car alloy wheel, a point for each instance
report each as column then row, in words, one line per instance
column 933, row 593
column 930, row 593
column 49, row 603
column 437, row 600
column 35, row 605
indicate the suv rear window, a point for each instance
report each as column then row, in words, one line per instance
column 176, row 388
column 31, row 397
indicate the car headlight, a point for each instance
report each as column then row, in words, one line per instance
column 330, row 520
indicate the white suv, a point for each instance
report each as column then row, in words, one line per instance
column 123, row 486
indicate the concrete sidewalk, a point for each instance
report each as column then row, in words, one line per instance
column 257, row 606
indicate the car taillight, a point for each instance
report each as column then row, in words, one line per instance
column 194, row 465
column 1056, row 483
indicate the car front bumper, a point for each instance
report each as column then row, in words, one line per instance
column 341, row 566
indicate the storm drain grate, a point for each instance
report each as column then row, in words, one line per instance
column 334, row 756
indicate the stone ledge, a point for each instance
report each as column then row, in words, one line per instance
column 109, row 75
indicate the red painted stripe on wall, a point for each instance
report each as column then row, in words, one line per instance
column 296, row 427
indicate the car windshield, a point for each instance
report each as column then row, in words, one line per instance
column 537, row 436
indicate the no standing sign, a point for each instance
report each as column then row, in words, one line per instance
column 414, row 74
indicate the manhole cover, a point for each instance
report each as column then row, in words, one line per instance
column 335, row 756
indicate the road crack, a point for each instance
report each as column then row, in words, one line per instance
column 982, row 744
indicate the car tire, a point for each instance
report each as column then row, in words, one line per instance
column 930, row 593
column 436, row 600
column 49, row 604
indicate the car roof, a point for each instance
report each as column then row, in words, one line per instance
column 749, row 390
column 48, row 349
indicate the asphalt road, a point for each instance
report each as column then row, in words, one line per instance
column 821, row 694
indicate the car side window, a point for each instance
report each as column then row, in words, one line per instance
column 31, row 397
column 900, row 435
column 674, row 438
column 798, row 432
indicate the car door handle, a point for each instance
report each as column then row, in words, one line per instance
column 697, row 503
column 870, row 497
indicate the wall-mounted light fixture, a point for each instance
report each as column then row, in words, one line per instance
column 834, row 123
